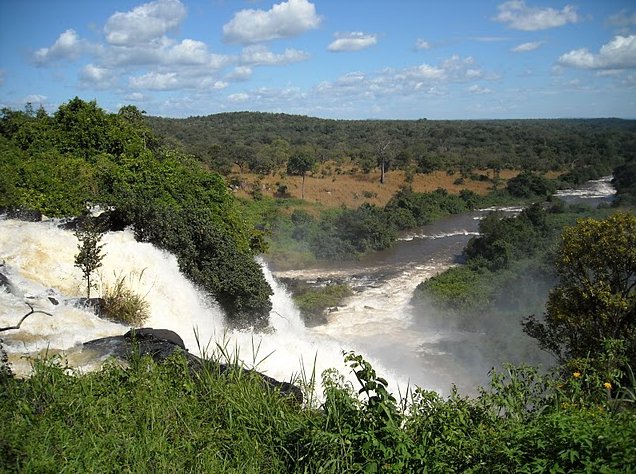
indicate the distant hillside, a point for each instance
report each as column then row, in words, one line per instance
column 263, row 142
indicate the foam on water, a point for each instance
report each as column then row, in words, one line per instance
column 38, row 260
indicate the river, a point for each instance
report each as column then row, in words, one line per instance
column 405, row 346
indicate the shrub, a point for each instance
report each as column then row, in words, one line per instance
column 123, row 305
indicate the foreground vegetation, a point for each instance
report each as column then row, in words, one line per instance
column 163, row 418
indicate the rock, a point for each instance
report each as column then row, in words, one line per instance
column 106, row 221
column 27, row 215
column 162, row 343
column 6, row 284
column 96, row 304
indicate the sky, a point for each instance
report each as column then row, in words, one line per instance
column 340, row 59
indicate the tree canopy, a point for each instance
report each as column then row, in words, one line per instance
column 57, row 164
column 595, row 299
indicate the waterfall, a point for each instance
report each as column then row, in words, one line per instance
column 38, row 260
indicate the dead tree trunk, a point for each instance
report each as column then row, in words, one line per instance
column 17, row 326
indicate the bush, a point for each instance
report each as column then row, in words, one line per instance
column 123, row 305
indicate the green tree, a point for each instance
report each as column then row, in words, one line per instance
column 298, row 165
column 595, row 299
column 90, row 254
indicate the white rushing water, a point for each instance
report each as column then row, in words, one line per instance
column 38, row 261
column 377, row 321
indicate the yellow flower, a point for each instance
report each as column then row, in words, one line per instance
column 607, row 385
column 576, row 375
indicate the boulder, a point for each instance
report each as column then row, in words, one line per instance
column 162, row 343
column 27, row 215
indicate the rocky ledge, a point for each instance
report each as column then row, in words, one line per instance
column 162, row 343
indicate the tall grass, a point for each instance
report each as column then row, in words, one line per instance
column 150, row 417
column 124, row 305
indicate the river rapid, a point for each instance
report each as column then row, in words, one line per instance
column 405, row 346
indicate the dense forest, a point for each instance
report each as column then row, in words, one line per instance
column 264, row 142
column 163, row 177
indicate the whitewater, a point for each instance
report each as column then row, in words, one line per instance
column 377, row 321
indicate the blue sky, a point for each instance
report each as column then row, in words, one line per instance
column 346, row 59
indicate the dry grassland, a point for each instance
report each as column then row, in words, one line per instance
column 332, row 190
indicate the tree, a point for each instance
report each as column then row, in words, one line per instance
column 90, row 254
column 298, row 165
column 383, row 157
column 595, row 299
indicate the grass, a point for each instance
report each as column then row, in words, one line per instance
column 351, row 189
column 124, row 305
column 150, row 417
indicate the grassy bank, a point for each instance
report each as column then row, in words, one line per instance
column 163, row 418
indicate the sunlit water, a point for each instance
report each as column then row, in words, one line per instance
column 377, row 321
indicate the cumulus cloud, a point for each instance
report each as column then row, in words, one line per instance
column 240, row 73
column 238, row 97
column 619, row 53
column 67, row 46
column 525, row 47
column 156, row 81
column 144, row 23
column 189, row 52
column 164, row 81
column 421, row 79
column 259, row 55
column 519, row 16
column 477, row 89
column 97, row 77
column 135, row 97
column 285, row 19
column 422, row 44
column 353, row 41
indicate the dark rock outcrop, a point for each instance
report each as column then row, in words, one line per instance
column 106, row 221
column 162, row 343
column 27, row 215
column 5, row 283
column 95, row 304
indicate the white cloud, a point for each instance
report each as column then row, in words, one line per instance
column 285, row 19
column 144, row 23
column 620, row 53
column 67, row 46
column 240, row 73
column 417, row 80
column 97, row 77
column 259, row 55
column 35, row 99
column 423, row 71
column 422, row 44
column 477, row 89
column 525, row 47
column 135, row 97
column 156, row 81
column 188, row 52
column 238, row 97
column 353, row 41
column 519, row 16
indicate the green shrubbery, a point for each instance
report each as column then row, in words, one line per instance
column 80, row 154
column 164, row 418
